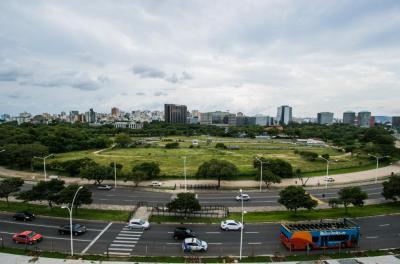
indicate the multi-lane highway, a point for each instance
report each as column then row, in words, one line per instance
column 130, row 196
column 259, row 239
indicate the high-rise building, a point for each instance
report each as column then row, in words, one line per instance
column 175, row 114
column 115, row 111
column 364, row 119
column 349, row 117
column 90, row 116
column 284, row 115
column 325, row 118
column 396, row 121
column 264, row 120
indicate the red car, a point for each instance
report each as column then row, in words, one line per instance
column 27, row 237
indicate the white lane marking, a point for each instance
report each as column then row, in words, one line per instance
column 384, row 225
column 96, row 238
column 213, row 232
column 215, row 243
column 125, row 241
column 173, row 243
column 371, row 237
column 129, row 235
column 254, row 243
column 170, row 232
column 39, row 225
column 131, row 232
column 120, row 249
column 251, row 232
column 122, row 245
column 59, row 238
column 128, row 238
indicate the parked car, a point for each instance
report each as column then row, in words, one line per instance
column 231, row 225
column 24, row 216
column 77, row 229
column 136, row 223
column 194, row 244
column 183, row 233
column 27, row 237
column 329, row 179
column 243, row 196
column 104, row 187
column 156, row 184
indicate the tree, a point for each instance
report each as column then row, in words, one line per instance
column 73, row 167
column 185, row 202
column 391, row 188
column 172, row 145
column 43, row 191
column 309, row 155
column 299, row 175
column 279, row 167
column 220, row 169
column 118, row 166
column 294, row 197
column 9, row 186
column 20, row 155
column 325, row 156
column 269, row 177
column 136, row 176
column 352, row 195
column 151, row 169
column 84, row 196
column 97, row 173
column 123, row 140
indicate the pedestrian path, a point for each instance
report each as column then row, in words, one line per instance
column 124, row 242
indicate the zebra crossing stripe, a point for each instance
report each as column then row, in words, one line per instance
column 127, row 238
column 122, row 245
column 120, row 249
column 125, row 241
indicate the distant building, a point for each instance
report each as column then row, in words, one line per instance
column 90, row 116
column 364, row 119
column 245, row 120
column 175, row 114
column 131, row 125
column 349, row 118
column 383, row 120
column 325, row 118
column 263, row 120
column 115, row 111
column 396, row 121
column 284, row 115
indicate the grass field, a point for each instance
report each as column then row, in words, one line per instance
column 171, row 161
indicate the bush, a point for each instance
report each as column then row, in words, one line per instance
column 172, row 145
column 220, row 146
column 309, row 155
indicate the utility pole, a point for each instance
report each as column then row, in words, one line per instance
column 261, row 171
column 327, row 172
column 377, row 164
column 115, row 175
column 184, row 171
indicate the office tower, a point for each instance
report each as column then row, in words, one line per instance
column 284, row 115
column 364, row 119
column 325, row 118
column 396, row 121
column 175, row 114
column 349, row 117
column 115, row 111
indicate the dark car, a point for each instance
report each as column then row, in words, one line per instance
column 77, row 229
column 183, row 232
column 24, row 216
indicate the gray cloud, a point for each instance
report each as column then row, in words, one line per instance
column 160, row 94
column 140, row 94
column 148, row 72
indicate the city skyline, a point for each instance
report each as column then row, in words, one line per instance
column 314, row 56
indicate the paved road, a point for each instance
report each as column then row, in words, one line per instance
column 259, row 239
column 130, row 196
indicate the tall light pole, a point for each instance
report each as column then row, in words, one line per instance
column 70, row 210
column 184, row 171
column 241, row 230
column 261, row 171
column 377, row 164
column 115, row 175
column 44, row 164
column 327, row 171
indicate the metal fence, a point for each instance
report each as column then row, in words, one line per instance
column 199, row 186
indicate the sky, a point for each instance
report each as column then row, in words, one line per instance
column 247, row 56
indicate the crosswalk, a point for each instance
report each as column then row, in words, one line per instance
column 124, row 242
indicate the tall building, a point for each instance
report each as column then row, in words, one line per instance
column 349, row 117
column 175, row 114
column 396, row 121
column 284, row 115
column 364, row 119
column 90, row 116
column 115, row 111
column 325, row 118
column 264, row 120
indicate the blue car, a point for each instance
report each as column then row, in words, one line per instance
column 193, row 244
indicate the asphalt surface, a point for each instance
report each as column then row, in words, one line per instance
column 258, row 239
column 130, row 196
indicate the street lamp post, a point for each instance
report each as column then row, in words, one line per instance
column 241, row 230
column 377, row 164
column 44, row 164
column 261, row 171
column 115, row 175
column 327, row 172
column 70, row 210
column 184, row 171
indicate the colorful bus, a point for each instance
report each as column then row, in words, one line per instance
column 320, row 234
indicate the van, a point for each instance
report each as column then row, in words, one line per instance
column 54, row 177
column 156, row 184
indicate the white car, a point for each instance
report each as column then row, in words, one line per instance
column 156, row 184
column 194, row 244
column 104, row 187
column 243, row 196
column 136, row 223
column 231, row 225
column 329, row 179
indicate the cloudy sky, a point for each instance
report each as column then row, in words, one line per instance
column 248, row 56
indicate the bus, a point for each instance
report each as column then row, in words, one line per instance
column 320, row 234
